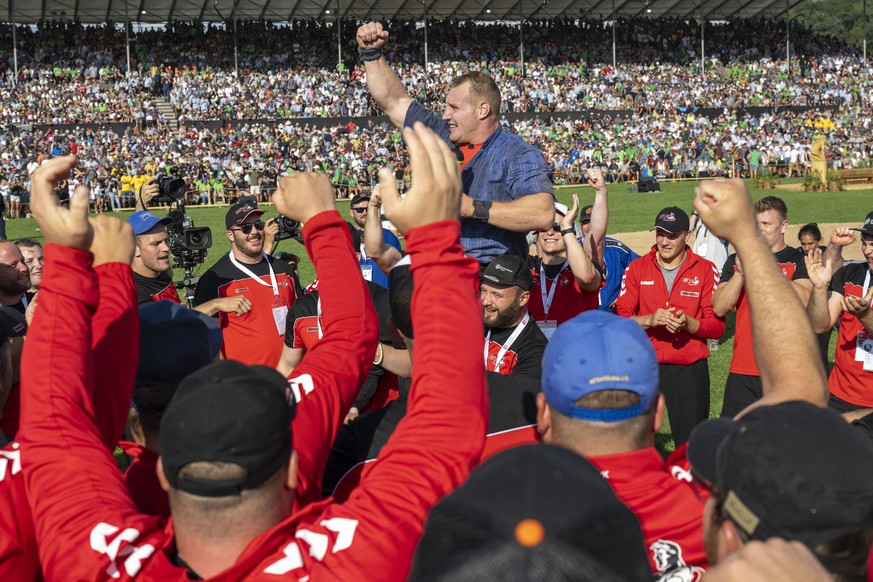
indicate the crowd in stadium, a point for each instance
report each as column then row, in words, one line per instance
column 567, row 67
column 220, row 163
column 480, row 402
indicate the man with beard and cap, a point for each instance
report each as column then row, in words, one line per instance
column 270, row 286
column 514, row 343
column 151, row 258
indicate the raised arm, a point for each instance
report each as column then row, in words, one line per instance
column 586, row 273
column 74, row 486
column 382, row 81
column 824, row 307
column 725, row 298
column 442, row 435
column 596, row 238
column 840, row 237
column 327, row 380
column 115, row 332
column 377, row 249
column 790, row 370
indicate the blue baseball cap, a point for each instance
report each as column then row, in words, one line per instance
column 143, row 221
column 598, row 351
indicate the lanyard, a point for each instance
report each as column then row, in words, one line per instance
column 318, row 318
column 363, row 253
column 548, row 298
column 866, row 284
column 260, row 281
column 503, row 349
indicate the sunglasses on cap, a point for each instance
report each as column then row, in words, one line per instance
column 247, row 228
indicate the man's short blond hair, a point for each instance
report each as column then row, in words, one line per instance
column 483, row 86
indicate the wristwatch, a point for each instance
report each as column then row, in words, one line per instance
column 570, row 230
column 481, row 209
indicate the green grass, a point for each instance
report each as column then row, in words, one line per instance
column 629, row 212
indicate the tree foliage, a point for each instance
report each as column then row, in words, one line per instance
column 842, row 19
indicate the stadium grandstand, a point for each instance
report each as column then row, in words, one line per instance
column 230, row 94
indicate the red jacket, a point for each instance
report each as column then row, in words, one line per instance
column 86, row 525
column 113, row 346
column 670, row 513
column 644, row 291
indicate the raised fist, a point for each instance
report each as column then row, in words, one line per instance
column 371, row 36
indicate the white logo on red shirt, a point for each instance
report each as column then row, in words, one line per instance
column 681, row 474
column 8, row 458
column 134, row 555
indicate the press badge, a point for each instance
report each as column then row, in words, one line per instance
column 864, row 350
column 548, row 327
column 367, row 272
column 280, row 315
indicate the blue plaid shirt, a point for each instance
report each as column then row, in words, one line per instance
column 505, row 169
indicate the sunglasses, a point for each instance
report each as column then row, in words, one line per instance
column 359, row 210
column 247, row 228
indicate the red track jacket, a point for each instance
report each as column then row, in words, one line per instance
column 115, row 341
column 643, row 291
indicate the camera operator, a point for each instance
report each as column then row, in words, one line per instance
column 152, row 273
column 270, row 285
column 147, row 192
column 151, row 258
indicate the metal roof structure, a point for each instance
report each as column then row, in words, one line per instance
column 158, row 11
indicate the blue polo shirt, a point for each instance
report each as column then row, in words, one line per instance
column 505, row 169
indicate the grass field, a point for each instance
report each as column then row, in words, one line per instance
column 629, row 212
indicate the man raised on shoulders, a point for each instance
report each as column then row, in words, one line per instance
column 507, row 183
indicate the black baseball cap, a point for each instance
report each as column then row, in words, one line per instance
column 232, row 413
column 672, row 219
column 867, row 228
column 173, row 342
column 239, row 212
column 508, row 270
column 585, row 213
column 558, row 519
column 792, row 470
column 358, row 198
